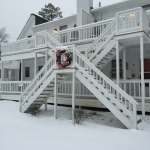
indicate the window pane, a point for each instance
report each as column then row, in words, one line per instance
column 27, row 71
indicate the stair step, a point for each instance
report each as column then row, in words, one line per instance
column 48, row 90
column 39, row 100
column 111, row 53
column 45, row 93
column 139, row 121
column 42, row 96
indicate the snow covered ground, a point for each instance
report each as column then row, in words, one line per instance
column 99, row 131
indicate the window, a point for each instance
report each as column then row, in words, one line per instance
column 40, row 67
column 27, row 71
column 113, row 68
column 29, row 36
column 147, row 68
column 63, row 27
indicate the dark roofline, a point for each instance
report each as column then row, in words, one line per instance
column 40, row 17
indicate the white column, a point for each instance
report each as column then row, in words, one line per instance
column 142, row 76
column 46, row 105
column 55, row 98
column 124, row 68
column 73, row 96
column 117, row 64
column 117, row 67
column 35, row 64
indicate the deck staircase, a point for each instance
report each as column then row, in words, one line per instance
column 103, row 49
column 98, row 54
column 42, row 86
column 113, row 97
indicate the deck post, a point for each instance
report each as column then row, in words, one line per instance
column 142, row 76
column 46, row 105
column 124, row 67
column 117, row 66
column 73, row 96
column 21, row 73
column 117, row 63
column 35, row 64
column 55, row 97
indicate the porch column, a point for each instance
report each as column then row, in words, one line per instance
column 55, row 97
column 124, row 67
column 142, row 76
column 117, row 64
column 35, row 64
column 46, row 105
column 73, row 96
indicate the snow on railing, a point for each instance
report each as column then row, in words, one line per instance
column 82, row 33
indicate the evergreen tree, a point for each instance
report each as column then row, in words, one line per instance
column 50, row 12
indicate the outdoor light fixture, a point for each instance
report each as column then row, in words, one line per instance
column 132, row 15
column 55, row 31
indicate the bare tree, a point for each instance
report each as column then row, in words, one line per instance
column 3, row 35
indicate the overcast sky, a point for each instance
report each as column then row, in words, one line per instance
column 15, row 13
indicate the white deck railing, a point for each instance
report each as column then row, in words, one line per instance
column 24, row 44
column 131, row 20
column 40, row 40
column 81, row 90
column 126, row 21
column 84, row 32
column 133, row 88
column 13, row 86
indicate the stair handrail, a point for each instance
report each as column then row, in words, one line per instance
column 89, row 64
column 51, row 60
column 103, row 36
column 58, row 44
column 81, row 62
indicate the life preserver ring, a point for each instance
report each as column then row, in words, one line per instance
column 63, row 63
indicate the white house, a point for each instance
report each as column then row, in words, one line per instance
column 110, row 61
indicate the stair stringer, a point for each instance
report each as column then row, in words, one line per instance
column 105, row 101
column 38, row 92
column 106, row 52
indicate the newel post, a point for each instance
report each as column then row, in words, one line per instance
column 73, row 55
column 117, row 24
column 35, row 40
column 46, row 41
column 141, row 18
